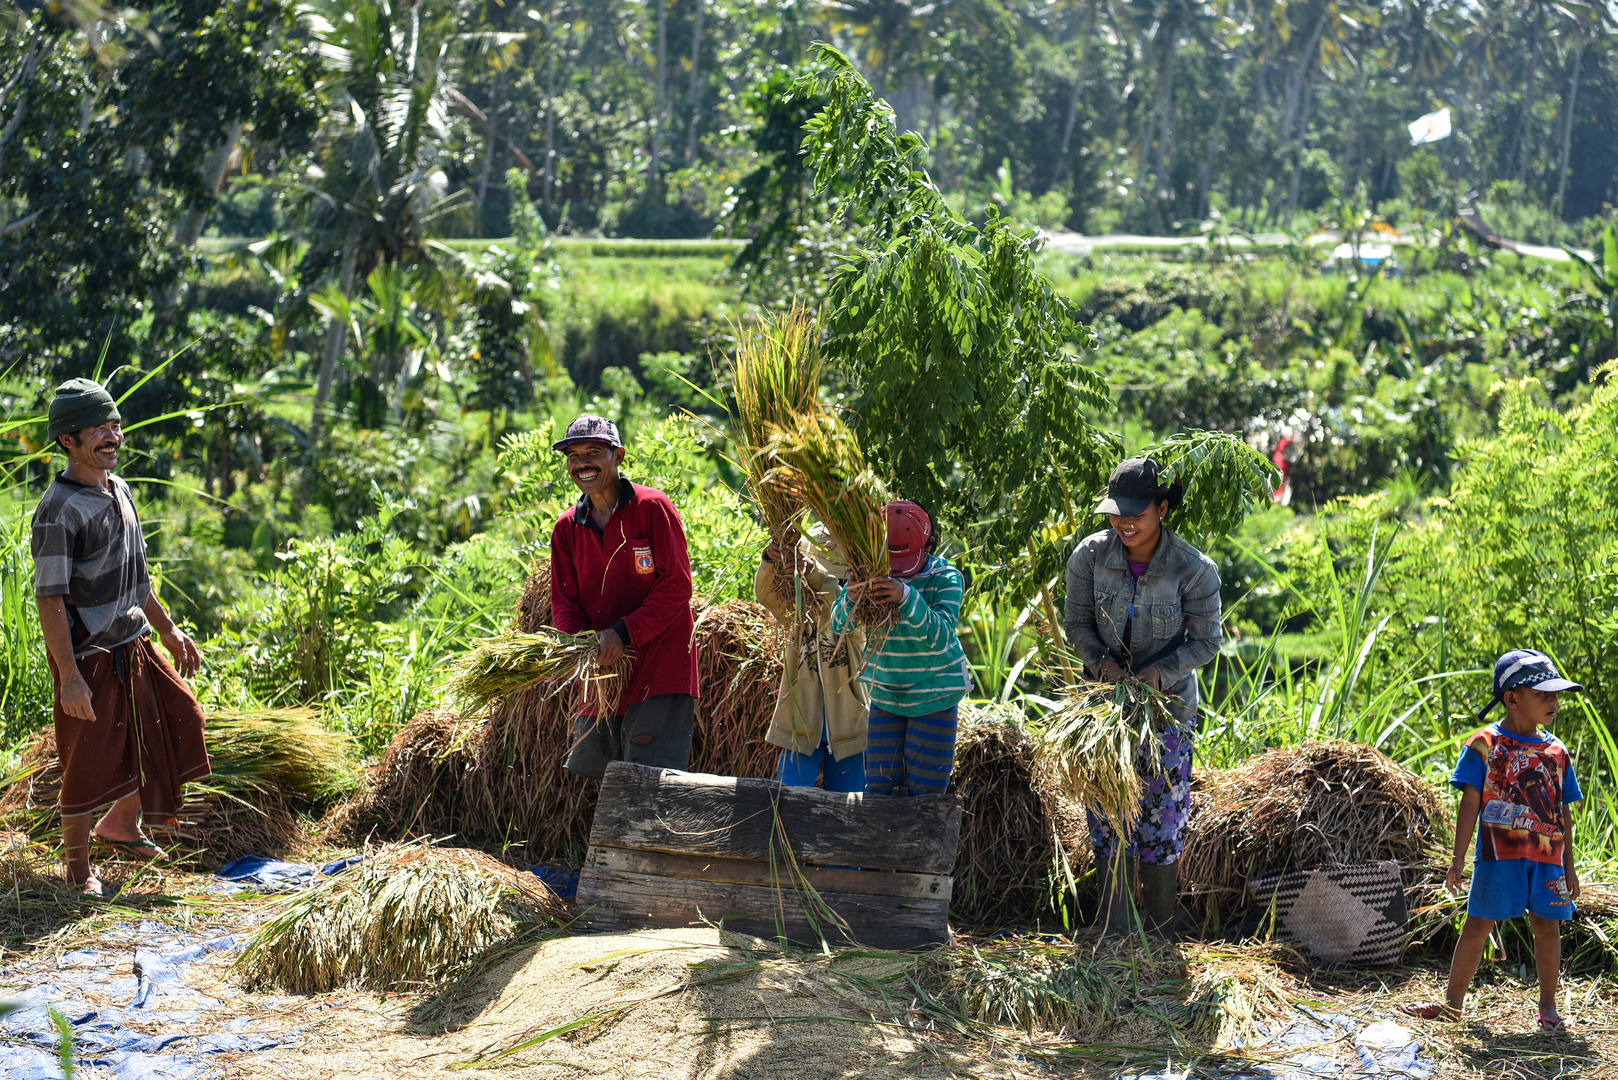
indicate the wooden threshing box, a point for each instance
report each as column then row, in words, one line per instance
column 676, row 849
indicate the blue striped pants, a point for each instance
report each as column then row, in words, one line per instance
column 910, row 755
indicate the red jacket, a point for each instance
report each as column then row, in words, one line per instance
column 637, row 573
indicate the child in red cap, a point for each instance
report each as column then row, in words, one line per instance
column 920, row 674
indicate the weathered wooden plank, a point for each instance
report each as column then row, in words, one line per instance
column 699, row 814
column 752, row 872
column 622, row 900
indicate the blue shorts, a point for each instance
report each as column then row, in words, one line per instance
column 1505, row 888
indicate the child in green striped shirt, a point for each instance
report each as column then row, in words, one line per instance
column 920, row 674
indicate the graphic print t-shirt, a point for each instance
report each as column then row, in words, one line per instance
column 1525, row 782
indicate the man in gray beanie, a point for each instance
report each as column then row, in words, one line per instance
column 128, row 729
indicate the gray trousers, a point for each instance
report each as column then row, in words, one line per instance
column 655, row 732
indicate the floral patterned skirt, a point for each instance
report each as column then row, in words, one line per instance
column 1160, row 829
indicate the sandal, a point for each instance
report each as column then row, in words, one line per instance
column 1553, row 1023
column 1429, row 1010
column 140, row 849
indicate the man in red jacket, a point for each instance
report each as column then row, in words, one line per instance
column 619, row 567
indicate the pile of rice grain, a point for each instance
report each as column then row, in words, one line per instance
column 1319, row 802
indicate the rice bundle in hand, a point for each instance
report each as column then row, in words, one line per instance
column 820, row 467
column 406, row 915
column 776, row 379
column 510, row 663
column 1093, row 743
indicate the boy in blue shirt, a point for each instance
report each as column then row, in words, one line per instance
column 1517, row 782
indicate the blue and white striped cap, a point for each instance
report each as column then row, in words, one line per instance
column 1526, row 667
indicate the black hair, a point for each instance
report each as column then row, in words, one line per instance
column 1173, row 494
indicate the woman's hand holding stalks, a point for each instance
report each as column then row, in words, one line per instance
column 885, row 590
column 1114, row 672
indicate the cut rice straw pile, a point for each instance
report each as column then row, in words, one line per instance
column 1096, row 742
column 406, row 915
column 510, row 663
column 1320, row 802
column 266, row 763
column 1016, row 829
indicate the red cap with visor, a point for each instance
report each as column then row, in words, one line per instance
column 909, row 529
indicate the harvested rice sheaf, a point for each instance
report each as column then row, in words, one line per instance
column 507, row 664
column 406, row 915
column 266, row 764
column 1093, row 742
column 1320, row 802
column 1189, row 996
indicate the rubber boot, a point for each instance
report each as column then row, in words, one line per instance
column 1115, row 916
column 1160, row 895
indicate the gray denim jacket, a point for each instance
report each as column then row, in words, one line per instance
column 1179, row 592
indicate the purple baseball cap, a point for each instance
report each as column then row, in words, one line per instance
column 589, row 428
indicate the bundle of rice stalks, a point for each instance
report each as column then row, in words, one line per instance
column 1016, row 829
column 818, row 465
column 1095, row 743
column 406, row 915
column 1320, row 802
column 266, row 763
column 776, row 380
column 510, row 663
column 1171, row 996
column 285, row 750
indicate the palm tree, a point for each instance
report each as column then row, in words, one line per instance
column 890, row 32
column 376, row 187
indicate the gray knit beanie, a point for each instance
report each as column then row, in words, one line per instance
column 79, row 404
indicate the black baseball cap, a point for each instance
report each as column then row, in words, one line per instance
column 1526, row 667
column 1132, row 487
column 589, row 428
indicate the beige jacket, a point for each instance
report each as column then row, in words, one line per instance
column 818, row 680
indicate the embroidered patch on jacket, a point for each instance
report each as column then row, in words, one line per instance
column 643, row 561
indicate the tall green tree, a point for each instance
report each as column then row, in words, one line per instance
column 376, row 187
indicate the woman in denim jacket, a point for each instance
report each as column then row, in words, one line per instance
column 1144, row 604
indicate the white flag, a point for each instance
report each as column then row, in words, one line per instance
column 1430, row 128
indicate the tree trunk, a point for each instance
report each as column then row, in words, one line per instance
column 1567, row 128
column 654, row 183
column 336, row 341
column 694, row 94
column 1078, row 90
column 1519, row 146
column 1297, row 158
column 491, row 132
column 1205, row 174
column 190, row 226
column 550, row 115
column 25, row 72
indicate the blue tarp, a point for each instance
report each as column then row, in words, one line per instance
column 1310, row 1036
column 105, row 992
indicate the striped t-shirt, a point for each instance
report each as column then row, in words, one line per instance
column 88, row 546
column 921, row 668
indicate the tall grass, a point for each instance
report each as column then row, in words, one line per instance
column 25, row 681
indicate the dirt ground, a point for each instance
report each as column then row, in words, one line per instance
column 700, row 1003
